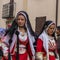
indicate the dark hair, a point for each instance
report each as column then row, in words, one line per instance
column 12, row 29
column 58, row 27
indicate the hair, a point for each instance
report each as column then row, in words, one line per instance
column 12, row 29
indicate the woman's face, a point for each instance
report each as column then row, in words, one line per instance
column 21, row 21
column 51, row 29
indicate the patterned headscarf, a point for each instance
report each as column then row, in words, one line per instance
column 2, row 32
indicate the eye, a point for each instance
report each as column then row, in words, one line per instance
column 18, row 19
column 22, row 19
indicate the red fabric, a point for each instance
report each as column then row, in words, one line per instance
column 21, row 56
column 29, row 51
column 13, row 52
column 27, row 47
column 24, row 42
column 39, row 47
column 51, row 57
column 4, row 58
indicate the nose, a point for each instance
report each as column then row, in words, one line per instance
column 19, row 20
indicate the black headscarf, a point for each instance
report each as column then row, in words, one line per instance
column 14, row 25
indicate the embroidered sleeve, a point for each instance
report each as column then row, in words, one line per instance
column 5, row 49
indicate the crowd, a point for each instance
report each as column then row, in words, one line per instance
column 17, row 42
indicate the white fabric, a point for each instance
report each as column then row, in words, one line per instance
column 51, row 42
column 5, row 49
column 6, row 39
column 23, row 38
column 24, row 15
column 31, row 41
column 44, row 38
column 0, row 44
column 22, row 50
column 22, row 46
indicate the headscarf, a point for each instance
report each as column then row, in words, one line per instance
column 2, row 32
column 27, row 24
column 48, row 24
column 44, row 36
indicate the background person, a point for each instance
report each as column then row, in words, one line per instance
column 46, row 45
column 2, row 32
column 58, row 40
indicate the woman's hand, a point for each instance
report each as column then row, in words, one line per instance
column 33, row 57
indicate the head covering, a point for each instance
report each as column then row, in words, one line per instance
column 28, row 24
column 2, row 32
column 44, row 36
column 48, row 24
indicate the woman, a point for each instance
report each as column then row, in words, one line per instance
column 2, row 32
column 58, row 39
column 46, row 45
column 19, row 38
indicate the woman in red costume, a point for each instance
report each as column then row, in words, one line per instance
column 22, row 32
column 46, row 45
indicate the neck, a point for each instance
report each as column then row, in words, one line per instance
column 22, row 29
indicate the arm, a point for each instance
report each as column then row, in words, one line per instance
column 40, row 51
column 5, row 50
column 29, row 51
column 5, row 47
column 39, row 47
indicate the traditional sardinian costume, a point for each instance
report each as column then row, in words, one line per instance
column 43, row 49
column 26, row 49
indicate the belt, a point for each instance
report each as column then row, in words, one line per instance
column 22, row 50
column 51, row 53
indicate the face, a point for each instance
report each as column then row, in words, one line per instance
column 21, row 20
column 51, row 29
column 57, row 32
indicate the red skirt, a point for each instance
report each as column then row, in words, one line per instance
column 24, row 56
column 51, row 57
